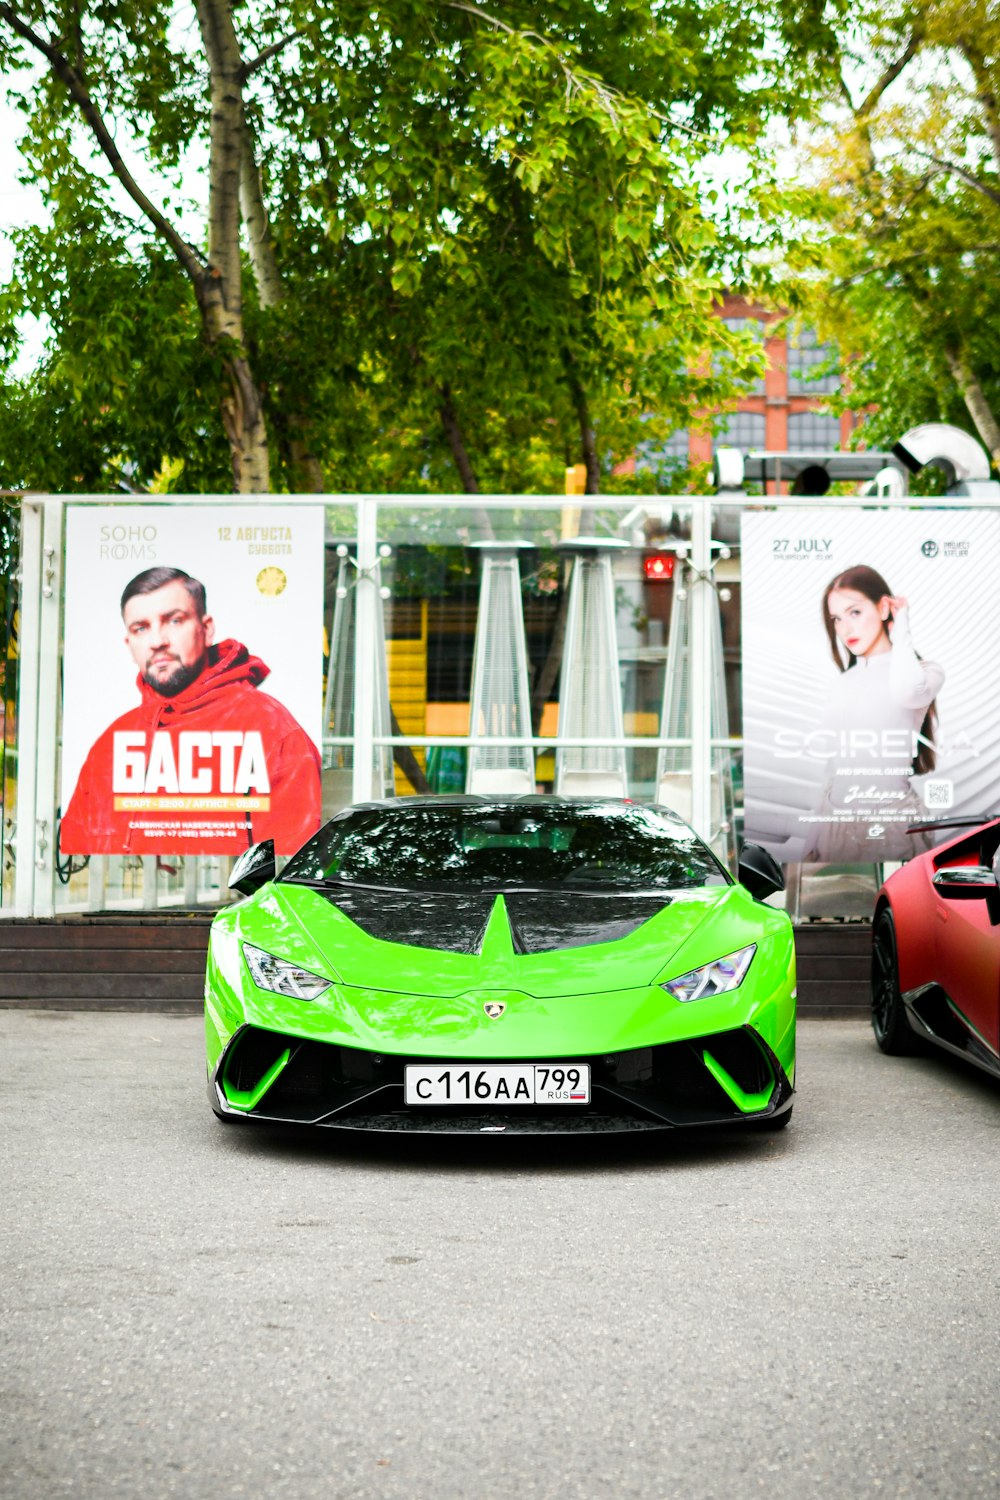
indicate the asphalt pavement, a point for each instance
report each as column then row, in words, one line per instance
column 203, row 1310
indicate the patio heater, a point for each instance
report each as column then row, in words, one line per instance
column 673, row 768
column 501, row 706
column 590, row 694
column 338, row 710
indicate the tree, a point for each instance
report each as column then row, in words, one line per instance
column 435, row 237
column 905, row 273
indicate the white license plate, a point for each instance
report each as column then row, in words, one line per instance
column 506, row 1083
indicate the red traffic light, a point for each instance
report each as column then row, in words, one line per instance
column 658, row 567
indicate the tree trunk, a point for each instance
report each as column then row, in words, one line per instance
column 306, row 471
column 463, row 463
column 550, row 670
column 270, row 288
column 456, row 442
column 240, row 407
column 221, row 295
column 404, row 758
column 217, row 287
column 978, row 407
column 588, row 445
column 986, row 97
column 588, row 437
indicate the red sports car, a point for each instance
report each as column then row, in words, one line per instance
column 936, row 949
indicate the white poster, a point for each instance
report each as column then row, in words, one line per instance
column 192, row 678
column 871, row 678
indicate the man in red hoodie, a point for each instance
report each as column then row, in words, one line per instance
column 206, row 762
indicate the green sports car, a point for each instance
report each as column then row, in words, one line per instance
column 502, row 964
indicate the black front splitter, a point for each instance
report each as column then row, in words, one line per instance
column 458, row 1122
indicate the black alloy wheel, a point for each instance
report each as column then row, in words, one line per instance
column 889, row 1020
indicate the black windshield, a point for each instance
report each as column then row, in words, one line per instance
column 504, row 846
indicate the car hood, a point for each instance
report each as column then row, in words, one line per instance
column 549, row 943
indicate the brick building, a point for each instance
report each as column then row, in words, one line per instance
column 782, row 411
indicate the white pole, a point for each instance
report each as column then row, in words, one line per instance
column 47, row 743
column 702, row 607
column 149, row 887
column 366, row 602
column 97, row 882
column 29, row 635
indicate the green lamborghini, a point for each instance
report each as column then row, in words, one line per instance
column 502, row 964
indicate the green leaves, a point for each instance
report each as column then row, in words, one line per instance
column 459, row 203
column 899, row 255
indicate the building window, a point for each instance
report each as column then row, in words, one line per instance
column 743, row 430
column 806, row 355
column 756, row 328
column 652, row 452
column 813, row 432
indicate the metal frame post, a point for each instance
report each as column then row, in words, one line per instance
column 700, row 645
column 29, row 657
column 367, row 602
column 149, row 886
column 49, row 705
column 97, row 882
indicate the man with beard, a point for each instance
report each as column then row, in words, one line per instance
column 206, row 762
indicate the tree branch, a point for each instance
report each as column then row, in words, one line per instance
column 250, row 68
column 892, row 72
column 845, row 92
column 993, row 194
column 270, row 285
column 607, row 96
column 456, row 441
column 864, row 111
column 937, row 252
column 985, row 96
column 187, row 255
column 123, row 479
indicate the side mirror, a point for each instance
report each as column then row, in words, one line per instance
column 759, row 872
column 254, row 868
column 965, row 882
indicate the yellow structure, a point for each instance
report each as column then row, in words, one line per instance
column 407, row 661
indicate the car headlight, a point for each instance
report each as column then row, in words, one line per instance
column 712, row 979
column 283, row 977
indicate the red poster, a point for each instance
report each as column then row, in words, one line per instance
column 192, row 678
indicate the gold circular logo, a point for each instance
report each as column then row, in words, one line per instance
column 271, row 580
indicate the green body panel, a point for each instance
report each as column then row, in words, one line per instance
column 596, row 998
column 748, row 1103
column 247, row 1098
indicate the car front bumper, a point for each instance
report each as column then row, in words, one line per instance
column 726, row 1078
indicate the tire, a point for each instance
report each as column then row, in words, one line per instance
column 890, row 1024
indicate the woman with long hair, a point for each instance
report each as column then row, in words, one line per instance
column 879, row 728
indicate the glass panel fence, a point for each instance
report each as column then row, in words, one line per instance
column 479, row 676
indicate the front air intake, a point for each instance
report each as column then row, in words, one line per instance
column 254, row 1061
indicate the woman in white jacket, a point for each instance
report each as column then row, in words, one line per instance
column 879, row 727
